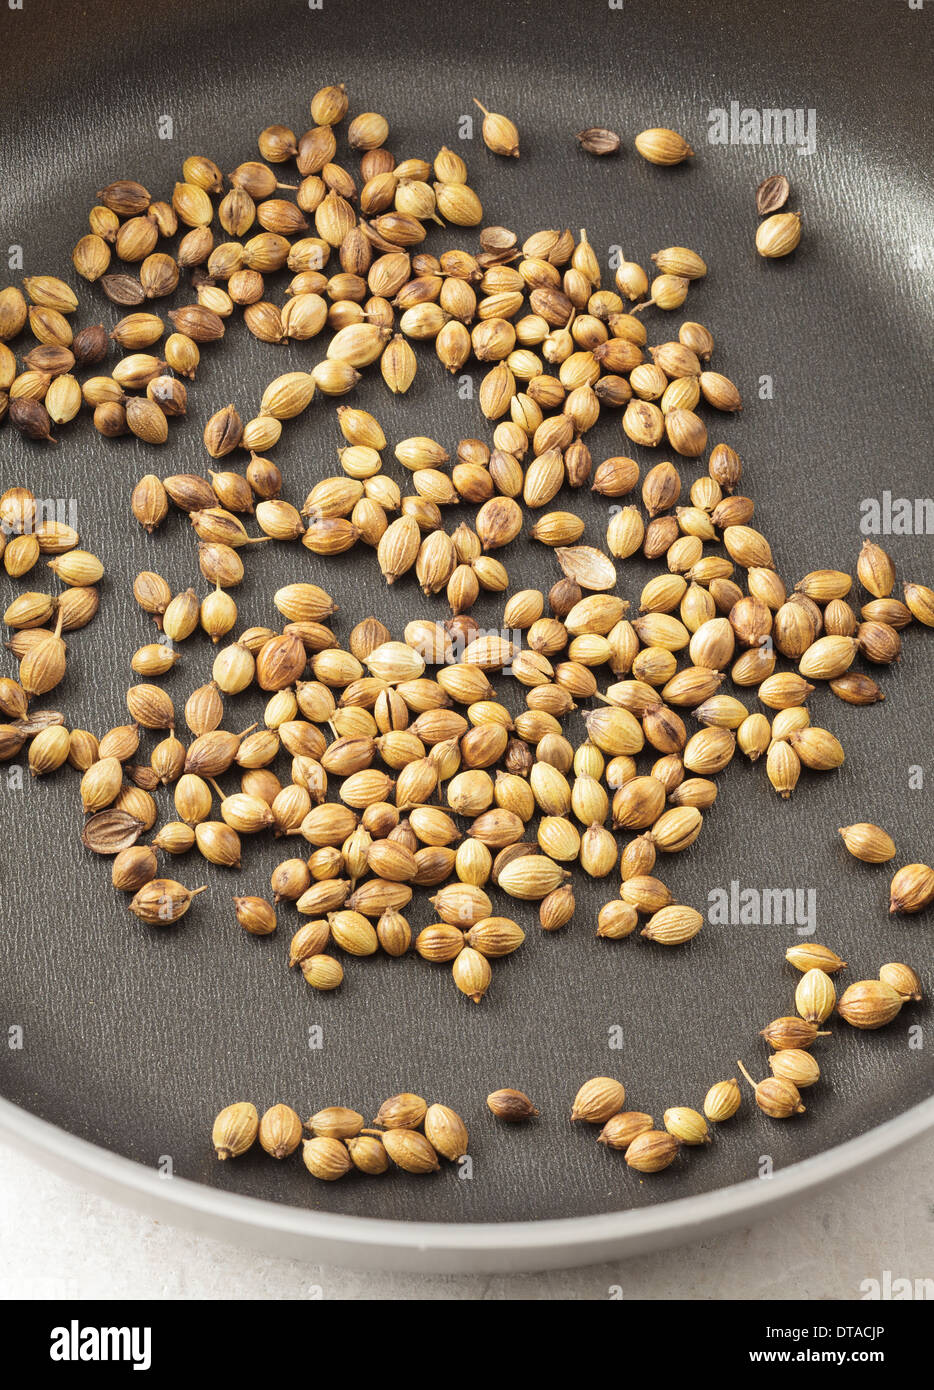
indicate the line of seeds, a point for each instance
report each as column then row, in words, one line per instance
column 332, row 1149
column 866, row 1004
column 407, row 1133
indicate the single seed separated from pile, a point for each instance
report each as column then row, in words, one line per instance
column 868, row 842
column 511, row 1105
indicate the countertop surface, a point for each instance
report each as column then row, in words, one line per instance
column 62, row 1243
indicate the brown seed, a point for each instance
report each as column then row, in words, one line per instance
column 499, row 133
column 778, row 1098
column 856, row 689
column 11, row 741
column 817, row 749
column 811, row 956
column 133, row 867
column 620, row 1130
column 32, row 419
column 875, row 570
column 828, row 657
column 13, row 313
column 146, row 420
column 920, row 600
column 150, row 706
column 674, row 925
column 110, row 832
column 222, row 432
column 149, row 502
column 790, row 1032
column 280, row 662
column 687, row 1125
column 511, row 1105
column 310, row 939
column 772, row 194
column 598, row 140
column 879, row 642
column 336, row 1122
column 722, row 1101
column 329, row 105
column 368, row 1154
column 13, row 700
column 472, row 974
column 255, row 915
column 402, row 1111
column 815, row 996
column 322, row 972
column 169, row 394
column 799, row 1068
column 446, row 1132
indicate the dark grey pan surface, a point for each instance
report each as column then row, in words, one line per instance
column 134, row 1037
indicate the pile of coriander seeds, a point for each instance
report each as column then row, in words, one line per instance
column 396, row 763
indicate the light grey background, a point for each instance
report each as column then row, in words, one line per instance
column 60, row 1242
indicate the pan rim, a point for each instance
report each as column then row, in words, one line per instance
column 380, row 1243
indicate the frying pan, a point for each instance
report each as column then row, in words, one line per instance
column 133, row 1038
